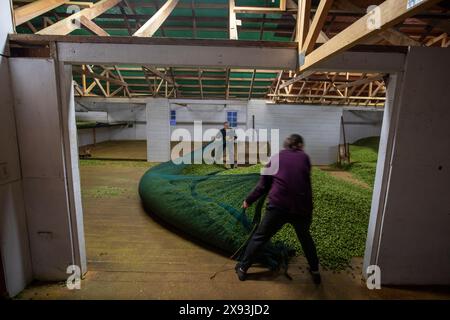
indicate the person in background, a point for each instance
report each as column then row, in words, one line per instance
column 289, row 201
column 228, row 137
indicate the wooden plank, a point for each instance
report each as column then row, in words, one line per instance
column 97, row 81
column 295, row 79
column 125, row 88
column 316, row 26
column 66, row 25
column 35, row 9
column 391, row 13
column 153, row 24
column 303, row 21
column 232, row 21
column 393, row 36
column 92, row 26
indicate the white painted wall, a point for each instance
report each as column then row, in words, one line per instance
column 413, row 241
column 86, row 136
column 211, row 114
column 110, row 112
column 319, row 126
column 158, row 130
column 14, row 244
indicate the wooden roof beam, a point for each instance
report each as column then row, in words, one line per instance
column 303, row 22
column 89, row 72
column 316, row 26
column 232, row 24
column 34, row 9
column 93, row 27
column 391, row 13
column 67, row 25
column 360, row 82
column 153, row 24
column 159, row 74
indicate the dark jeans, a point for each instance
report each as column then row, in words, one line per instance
column 273, row 220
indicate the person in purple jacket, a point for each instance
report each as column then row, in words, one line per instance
column 289, row 201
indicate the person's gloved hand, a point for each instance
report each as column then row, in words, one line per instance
column 245, row 205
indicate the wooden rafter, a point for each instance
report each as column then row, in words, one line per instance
column 125, row 88
column 360, row 82
column 316, row 26
column 93, row 27
column 34, row 9
column 194, row 20
column 250, row 91
column 96, row 80
column 153, row 24
column 160, row 74
column 391, row 35
column 89, row 72
column 391, row 12
column 67, row 25
column 232, row 24
column 227, row 81
column 200, row 72
column 303, row 22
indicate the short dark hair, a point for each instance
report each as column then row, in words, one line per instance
column 294, row 141
column 226, row 122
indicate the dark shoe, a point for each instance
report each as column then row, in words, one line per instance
column 315, row 276
column 241, row 273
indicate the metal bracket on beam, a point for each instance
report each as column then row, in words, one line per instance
column 301, row 59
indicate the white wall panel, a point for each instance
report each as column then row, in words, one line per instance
column 319, row 126
column 39, row 128
column 14, row 245
column 212, row 115
column 86, row 136
column 414, row 240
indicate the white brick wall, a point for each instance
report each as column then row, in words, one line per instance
column 212, row 115
column 158, row 130
column 319, row 126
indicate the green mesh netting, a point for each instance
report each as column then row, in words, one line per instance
column 207, row 207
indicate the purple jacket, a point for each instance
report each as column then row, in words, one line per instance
column 290, row 187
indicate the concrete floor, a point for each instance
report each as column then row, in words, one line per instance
column 132, row 256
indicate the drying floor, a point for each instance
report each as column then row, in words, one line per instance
column 120, row 149
column 132, row 256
